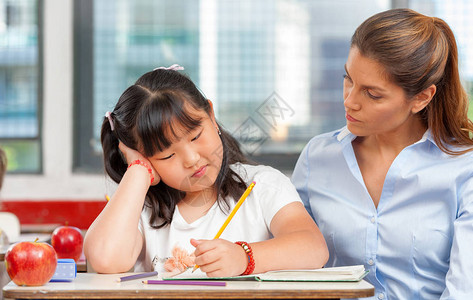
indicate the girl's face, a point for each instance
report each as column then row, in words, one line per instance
column 373, row 104
column 193, row 161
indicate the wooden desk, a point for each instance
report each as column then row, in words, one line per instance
column 100, row 286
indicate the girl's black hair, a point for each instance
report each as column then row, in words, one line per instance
column 142, row 120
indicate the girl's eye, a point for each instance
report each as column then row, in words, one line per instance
column 167, row 157
column 346, row 77
column 197, row 136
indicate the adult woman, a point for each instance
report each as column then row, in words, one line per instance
column 393, row 190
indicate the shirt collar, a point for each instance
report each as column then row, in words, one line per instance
column 344, row 133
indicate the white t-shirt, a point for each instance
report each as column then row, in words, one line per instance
column 251, row 223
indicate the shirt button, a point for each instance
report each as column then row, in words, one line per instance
column 372, row 219
column 370, row 262
column 380, row 296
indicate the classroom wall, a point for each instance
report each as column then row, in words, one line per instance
column 58, row 182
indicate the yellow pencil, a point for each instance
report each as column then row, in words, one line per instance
column 230, row 216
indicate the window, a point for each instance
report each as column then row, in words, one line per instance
column 20, row 85
column 273, row 68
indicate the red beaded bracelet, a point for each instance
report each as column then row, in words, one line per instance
column 251, row 261
column 150, row 171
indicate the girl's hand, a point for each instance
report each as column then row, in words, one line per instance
column 219, row 258
column 131, row 155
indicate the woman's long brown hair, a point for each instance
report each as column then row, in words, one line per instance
column 418, row 51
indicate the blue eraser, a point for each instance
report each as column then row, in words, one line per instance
column 66, row 270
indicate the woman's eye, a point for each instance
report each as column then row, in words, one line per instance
column 347, row 80
column 373, row 96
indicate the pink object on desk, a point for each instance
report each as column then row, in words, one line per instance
column 186, row 282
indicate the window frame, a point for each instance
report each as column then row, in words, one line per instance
column 84, row 159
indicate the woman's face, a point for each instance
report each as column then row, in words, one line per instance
column 373, row 104
column 193, row 161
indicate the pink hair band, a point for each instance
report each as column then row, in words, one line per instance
column 174, row 67
column 109, row 117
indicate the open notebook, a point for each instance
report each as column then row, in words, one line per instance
column 348, row 273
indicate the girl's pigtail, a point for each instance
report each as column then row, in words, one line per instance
column 115, row 166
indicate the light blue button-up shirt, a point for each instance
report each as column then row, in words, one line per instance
column 418, row 242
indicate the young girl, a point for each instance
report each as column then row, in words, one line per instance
column 183, row 175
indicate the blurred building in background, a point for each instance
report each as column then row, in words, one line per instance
column 273, row 69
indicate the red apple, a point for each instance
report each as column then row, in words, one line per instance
column 67, row 241
column 30, row 263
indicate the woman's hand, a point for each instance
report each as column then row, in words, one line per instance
column 219, row 258
column 131, row 155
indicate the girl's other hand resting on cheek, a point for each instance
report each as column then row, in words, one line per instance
column 131, row 155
